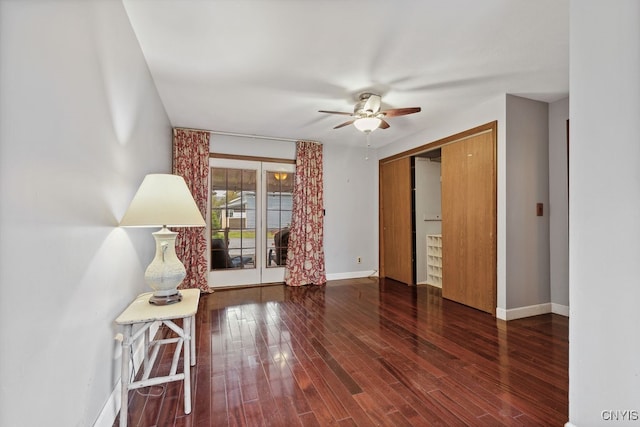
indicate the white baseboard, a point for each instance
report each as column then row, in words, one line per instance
column 568, row 424
column 352, row 275
column 532, row 310
column 562, row 310
column 110, row 409
column 520, row 312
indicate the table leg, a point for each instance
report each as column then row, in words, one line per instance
column 193, row 340
column 186, row 331
column 124, row 375
column 147, row 340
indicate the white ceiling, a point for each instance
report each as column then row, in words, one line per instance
column 266, row 67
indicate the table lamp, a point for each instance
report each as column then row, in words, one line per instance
column 163, row 200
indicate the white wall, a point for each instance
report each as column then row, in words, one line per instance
column 604, row 226
column 350, row 197
column 527, row 163
column 80, row 125
column 351, row 221
column 225, row 144
column 558, row 207
column 428, row 203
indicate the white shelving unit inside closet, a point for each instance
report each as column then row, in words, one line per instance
column 434, row 260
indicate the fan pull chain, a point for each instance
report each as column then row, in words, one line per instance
column 366, row 156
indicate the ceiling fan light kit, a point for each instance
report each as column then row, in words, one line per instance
column 367, row 124
column 367, row 116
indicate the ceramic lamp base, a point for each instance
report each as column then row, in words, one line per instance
column 166, row 272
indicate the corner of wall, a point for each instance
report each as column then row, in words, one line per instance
column 559, row 201
column 527, row 184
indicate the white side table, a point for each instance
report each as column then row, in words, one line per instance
column 141, row 313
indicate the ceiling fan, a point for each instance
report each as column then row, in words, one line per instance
column 367, row 116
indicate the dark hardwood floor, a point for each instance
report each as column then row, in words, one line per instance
column 363, row 352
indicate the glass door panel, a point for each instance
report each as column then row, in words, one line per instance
column 233, row 223
column 250, row 212
column 278, row 185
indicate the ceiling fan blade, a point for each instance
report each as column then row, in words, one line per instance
column 372, row 103
column 383, row 124
column 344, row 124
column 335, row 112
column 394, row 112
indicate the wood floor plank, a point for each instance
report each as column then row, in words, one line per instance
column 377, row 414
column 361, row 352
column 218, row 402
column 383, row 388
column 253, row 413
column 309, row 420
column 335, row 390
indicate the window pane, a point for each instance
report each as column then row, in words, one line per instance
column 218, row 179
column 248, row 180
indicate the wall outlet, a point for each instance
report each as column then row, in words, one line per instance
column 359, row 260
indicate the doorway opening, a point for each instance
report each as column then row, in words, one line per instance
column 428, row 217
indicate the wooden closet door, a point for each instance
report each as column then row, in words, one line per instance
column 469, row 222
column 396, row 225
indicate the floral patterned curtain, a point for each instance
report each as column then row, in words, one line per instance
column 305, row 259
column 191, row 161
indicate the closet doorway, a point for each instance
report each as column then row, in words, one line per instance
column 467, row 247
column 428, row 217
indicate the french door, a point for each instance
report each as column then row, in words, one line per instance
column 250, row 212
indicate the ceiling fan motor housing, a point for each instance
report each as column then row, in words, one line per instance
column 367, row 107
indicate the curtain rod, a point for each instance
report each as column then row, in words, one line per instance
column 242, row 135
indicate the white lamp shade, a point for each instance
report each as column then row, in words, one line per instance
column 163, row 199
column 367, row 124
